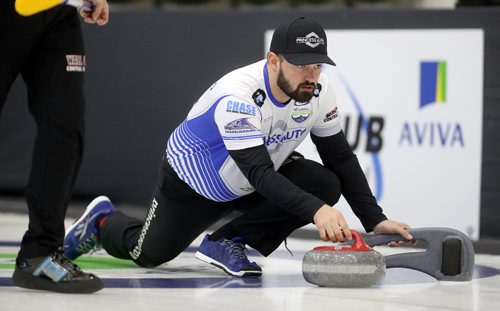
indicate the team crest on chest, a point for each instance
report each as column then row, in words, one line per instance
column 301, row 111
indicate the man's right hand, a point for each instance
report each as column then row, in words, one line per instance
column 331, row 224
column 99, row 15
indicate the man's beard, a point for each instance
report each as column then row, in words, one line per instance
column 297, row 94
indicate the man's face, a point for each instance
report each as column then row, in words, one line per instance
column 298, row 81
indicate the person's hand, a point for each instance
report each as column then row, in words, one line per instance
column 331, row 224
column 394, row 227
column 100, row 14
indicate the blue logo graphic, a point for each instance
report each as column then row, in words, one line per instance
column 372, row 140
column 432, row 82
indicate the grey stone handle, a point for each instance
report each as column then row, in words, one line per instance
column 447, row 249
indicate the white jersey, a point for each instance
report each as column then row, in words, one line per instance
column 238, row 112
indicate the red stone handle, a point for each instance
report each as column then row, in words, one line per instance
column 359, row 245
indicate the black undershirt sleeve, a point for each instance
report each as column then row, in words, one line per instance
column 258, row 168
column 337, row 155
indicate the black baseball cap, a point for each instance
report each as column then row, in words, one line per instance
column 301, row 42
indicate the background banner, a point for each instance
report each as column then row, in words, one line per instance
column 411, row 103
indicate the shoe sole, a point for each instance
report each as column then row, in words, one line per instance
column 246, row 273
column 24, row 280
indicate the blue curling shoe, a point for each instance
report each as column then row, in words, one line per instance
column 83, row 236
column 228, row 255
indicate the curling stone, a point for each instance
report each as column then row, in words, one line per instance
column 344, row 266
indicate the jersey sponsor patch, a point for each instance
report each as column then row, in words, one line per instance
column 301, row 112
column 331, row 115
column 238, row 126
column 317, row 90
column 280, row 138
column 241, row 108
column 259, row 97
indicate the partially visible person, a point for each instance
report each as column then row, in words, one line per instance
column 235, row 151
column 47, row 50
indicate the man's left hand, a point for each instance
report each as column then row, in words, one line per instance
column 394, row 227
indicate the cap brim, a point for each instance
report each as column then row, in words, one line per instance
column 308, row 58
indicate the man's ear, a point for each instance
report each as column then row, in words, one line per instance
column 273, row 61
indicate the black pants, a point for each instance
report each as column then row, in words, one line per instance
column 46, row 49
column 178, row 215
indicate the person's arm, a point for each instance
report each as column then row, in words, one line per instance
column 257, row 166
column 336, row 154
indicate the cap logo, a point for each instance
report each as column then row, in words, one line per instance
column 312, row 40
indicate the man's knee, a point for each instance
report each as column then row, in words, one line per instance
column 322, row 182
column 332, row 185
column 146, row 263
column 155, row 259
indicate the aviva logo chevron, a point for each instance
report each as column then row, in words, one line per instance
column 432, row 82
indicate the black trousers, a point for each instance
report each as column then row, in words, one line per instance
column 47, row 50
column 177, row 215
